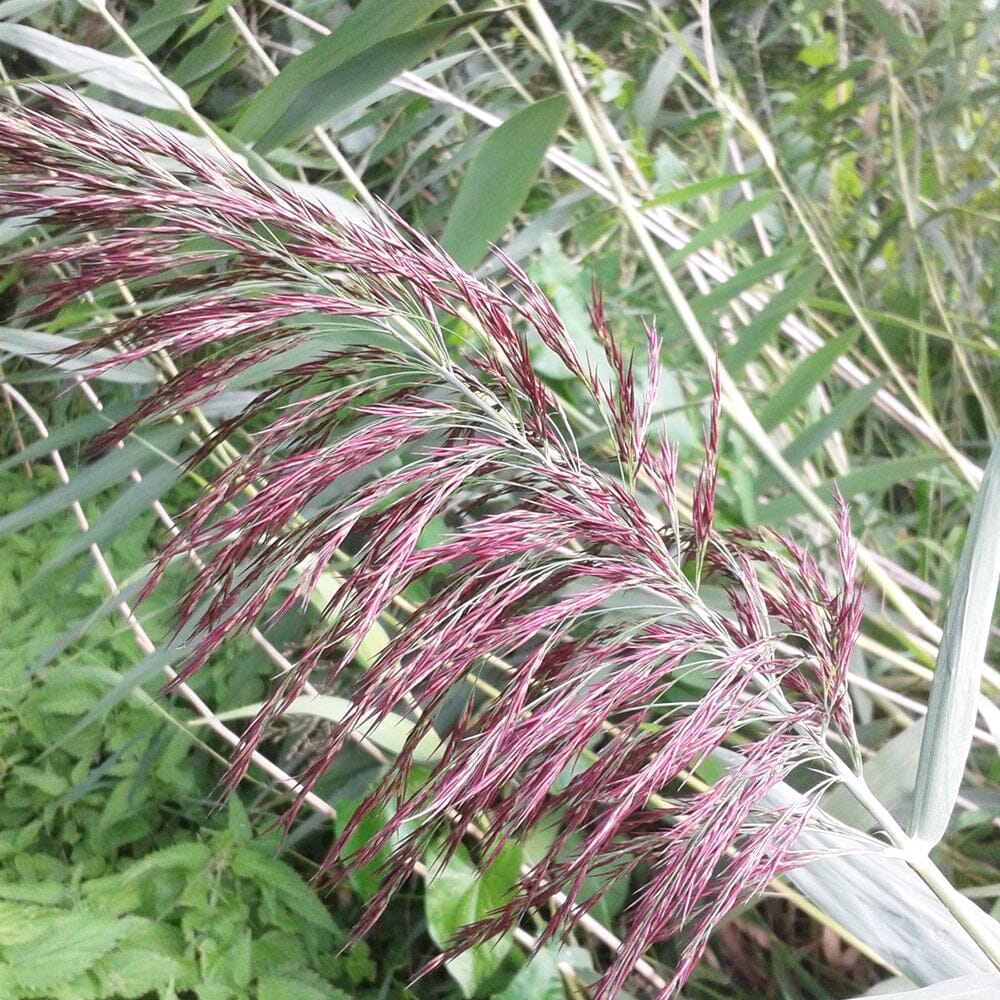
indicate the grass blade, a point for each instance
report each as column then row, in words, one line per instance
column 809, row 372
column 95, row 478
column 308, row 90
column 951, row 708
column 765, row 324
column 870, row 481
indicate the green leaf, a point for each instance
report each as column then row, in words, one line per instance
column 339, row 71
column 689, row 192
column 459, row 894
column 187, row 856
column 981, row 986
column 71, row 433
column 888, row 27
column 147, row 668
column 808, row 373
column 45, row 347
column 61, row 642
column 116, row 73
column 389, row 733
column 812, row 437
column 808, row 440
column 106, row 472
column 745, row 278
column 951, row 705
column 764, row 325
column 500, row 177
column 287, row 987
column 724, row 226
column 154, row 26
column 540, row 979
column 870, row 481
column 134, row 500
column 211, row 13
column 249, row 863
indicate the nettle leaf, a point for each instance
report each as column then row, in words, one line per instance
column 62, row 946
column 291, row 892
column 118, row 74
column 459, row 894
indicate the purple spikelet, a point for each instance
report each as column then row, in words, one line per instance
column 568, row 587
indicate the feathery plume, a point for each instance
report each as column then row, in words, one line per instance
column 401, row 395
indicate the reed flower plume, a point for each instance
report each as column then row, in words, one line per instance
column 631, row 675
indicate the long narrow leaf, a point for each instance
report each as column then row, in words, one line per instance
column 372, row 22
column 808, row 373
column 278, row 117
column 116, row 73
column 106, row 472
column 49, row 349
column 951, row 707
column 980, row 987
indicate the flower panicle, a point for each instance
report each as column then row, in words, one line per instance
column 597, row 682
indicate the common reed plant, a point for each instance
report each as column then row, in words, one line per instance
column 558, row 640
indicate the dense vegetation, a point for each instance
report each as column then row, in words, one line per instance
column 584, row 699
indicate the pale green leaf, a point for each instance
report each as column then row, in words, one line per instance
column 977, row 987
column 951, row 706
column 15, row 10
column 746, row 277
column 878, row 898
column 45, row 348
column 115, row 73
column 73, row 432
column 809, row 439
column 459, row 894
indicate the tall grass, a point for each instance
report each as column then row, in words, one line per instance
column 556, row 636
